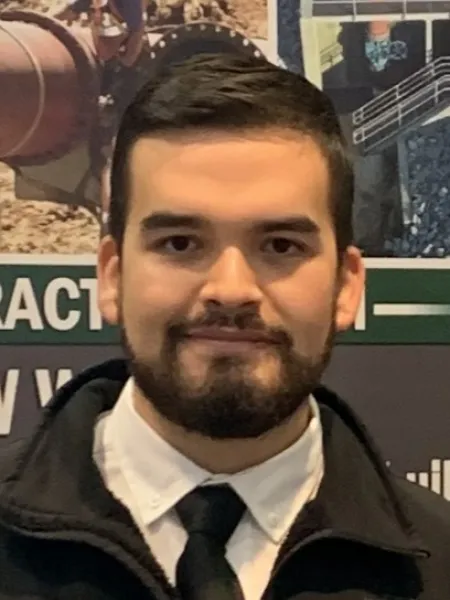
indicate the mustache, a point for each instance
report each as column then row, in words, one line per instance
column 242, row 319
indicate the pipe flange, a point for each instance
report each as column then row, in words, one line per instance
column 88, row 72
column 206, row 35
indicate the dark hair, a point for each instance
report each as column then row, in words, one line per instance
column 232, row 92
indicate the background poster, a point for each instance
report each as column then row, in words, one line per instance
column 63, row 86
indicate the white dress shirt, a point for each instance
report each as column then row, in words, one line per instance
column 149, row 477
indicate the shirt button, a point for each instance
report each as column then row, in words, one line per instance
column 273, row 519
column 155, row 502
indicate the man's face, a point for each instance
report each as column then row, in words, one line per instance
column 228, row 291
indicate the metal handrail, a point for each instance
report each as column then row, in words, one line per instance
column 404, row 114
column 330, row 53
column 401, row 91
column 358, row 8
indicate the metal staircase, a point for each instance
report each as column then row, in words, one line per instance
column 379, row 122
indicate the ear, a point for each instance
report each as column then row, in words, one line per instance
column 352, row 279
column 108, row 280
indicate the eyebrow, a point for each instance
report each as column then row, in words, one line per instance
column 168, row 220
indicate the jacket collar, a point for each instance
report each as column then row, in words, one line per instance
column 358, row 499
column 51, row 482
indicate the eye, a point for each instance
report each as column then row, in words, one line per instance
column 178, row 244
column 283, row 246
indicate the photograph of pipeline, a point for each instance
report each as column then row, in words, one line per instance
column 63, row 88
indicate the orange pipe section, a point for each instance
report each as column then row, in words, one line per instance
column 48, row 83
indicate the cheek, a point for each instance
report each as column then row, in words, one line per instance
column 152, row 296
column 305, row 303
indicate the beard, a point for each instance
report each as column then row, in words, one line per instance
column 229, row 401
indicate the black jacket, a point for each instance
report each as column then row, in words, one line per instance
column 367, row 536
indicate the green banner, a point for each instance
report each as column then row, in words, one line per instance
column 50, row 300
column 53, row 300
column 406, row 301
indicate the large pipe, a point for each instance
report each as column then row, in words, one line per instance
column 49, row 87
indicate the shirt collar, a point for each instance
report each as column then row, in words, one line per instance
column 159, row 476
column 156, row 473
column 276, row 490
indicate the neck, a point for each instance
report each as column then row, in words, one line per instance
column 225, row 456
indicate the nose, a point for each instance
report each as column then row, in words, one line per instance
column 231, row 281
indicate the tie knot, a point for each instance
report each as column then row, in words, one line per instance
column 213, row 511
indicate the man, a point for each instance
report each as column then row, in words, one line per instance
column 211, row 463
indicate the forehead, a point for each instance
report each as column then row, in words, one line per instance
column 229, row 177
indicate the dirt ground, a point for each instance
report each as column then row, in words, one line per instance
column 43, row 227
column 252, row 15
column 47, row 227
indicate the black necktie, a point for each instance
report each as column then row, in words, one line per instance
column 209, row 514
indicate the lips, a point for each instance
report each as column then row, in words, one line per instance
column 229, row 335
